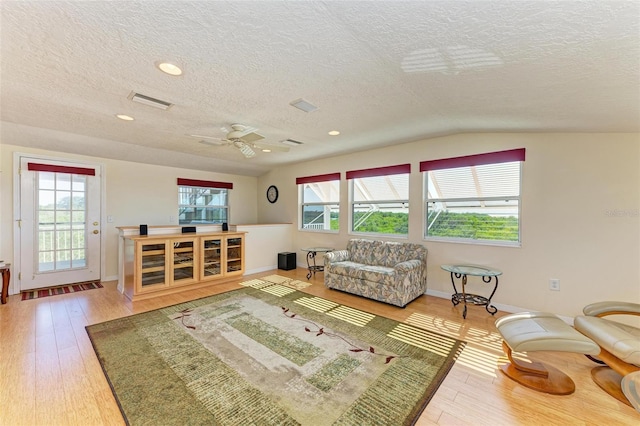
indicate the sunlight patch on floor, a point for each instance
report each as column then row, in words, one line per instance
column 276, row 279
column 480, row 360
column 483, row 353
column 432, row 323
column 316, row 303
column 423, row 339
column 352, row 316
column 277, row 290
column 256, row 283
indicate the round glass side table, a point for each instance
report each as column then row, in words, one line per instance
column 461, row 272
column 311, row 256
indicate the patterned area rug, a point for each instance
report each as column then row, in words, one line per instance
column 270, row 356
column 63, row 289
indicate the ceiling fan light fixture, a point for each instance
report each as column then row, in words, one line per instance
column 169, row 68
column 303, row 105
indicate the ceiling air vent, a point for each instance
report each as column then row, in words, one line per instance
column 303, row 105
column 148, row 100
column 291, row 142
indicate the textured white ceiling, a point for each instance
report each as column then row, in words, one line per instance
column 383, row 72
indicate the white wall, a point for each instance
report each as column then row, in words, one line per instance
column 580, row 222
column 263, row 243
column 580, row 215
column 135, row 193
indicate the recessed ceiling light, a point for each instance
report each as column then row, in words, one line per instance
column 266, row 150
column 124, row 117
column 169, row 68
column 334, row 133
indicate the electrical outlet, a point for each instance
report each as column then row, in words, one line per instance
column 171, row 219
column 554, row 284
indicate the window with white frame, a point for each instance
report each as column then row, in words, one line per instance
column 380, row 200
column 319, row 202
column 203, row 201
column 475, row 198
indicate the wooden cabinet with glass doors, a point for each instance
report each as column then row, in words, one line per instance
column 163, row 264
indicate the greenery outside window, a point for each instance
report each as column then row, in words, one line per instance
column 380, row 200
column 203, row 202
column 319, row 202
column 474, row 198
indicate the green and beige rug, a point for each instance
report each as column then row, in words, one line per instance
column 270, row 355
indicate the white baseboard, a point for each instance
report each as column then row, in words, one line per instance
column 501, row 307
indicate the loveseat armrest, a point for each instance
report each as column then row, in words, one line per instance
column 336, row 256
column 408, row 265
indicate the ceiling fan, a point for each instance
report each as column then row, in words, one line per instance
column 243, row 138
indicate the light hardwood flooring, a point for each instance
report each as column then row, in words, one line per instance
column 49, row 374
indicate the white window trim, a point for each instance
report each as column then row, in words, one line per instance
column 227, row 207
column 302, row 204
column 469, row 241
column 351, row 231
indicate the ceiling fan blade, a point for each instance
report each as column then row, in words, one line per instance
column 213, row 142
column 252, row 137
column 207, row 137
column 271, row 147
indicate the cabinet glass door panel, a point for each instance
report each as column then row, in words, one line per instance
column 234, row 255
column 211, row 257
column 183, row 261
column 153, row 264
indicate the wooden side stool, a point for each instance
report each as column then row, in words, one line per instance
column 541, row 331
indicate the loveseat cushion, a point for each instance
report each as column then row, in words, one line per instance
column 359, row 271
column 367, row 252
column 383, row 253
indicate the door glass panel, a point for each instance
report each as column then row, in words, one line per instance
column 61, row 229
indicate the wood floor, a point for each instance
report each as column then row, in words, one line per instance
column 49, row 374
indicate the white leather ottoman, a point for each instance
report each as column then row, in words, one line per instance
column 541, row 331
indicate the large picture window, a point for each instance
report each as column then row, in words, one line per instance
column 319, row 202
column 380, row 200
column 474, row 198
column 203, row 201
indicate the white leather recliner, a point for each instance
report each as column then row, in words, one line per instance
column 619, row 348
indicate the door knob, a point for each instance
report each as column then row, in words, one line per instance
column 95, row 231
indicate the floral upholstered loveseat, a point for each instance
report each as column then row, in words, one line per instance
column 390, row 272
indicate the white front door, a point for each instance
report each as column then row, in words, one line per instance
column 60, row 223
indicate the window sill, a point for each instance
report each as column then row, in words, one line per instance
column 379, row 235
column 511, row 244
column 321, row 231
